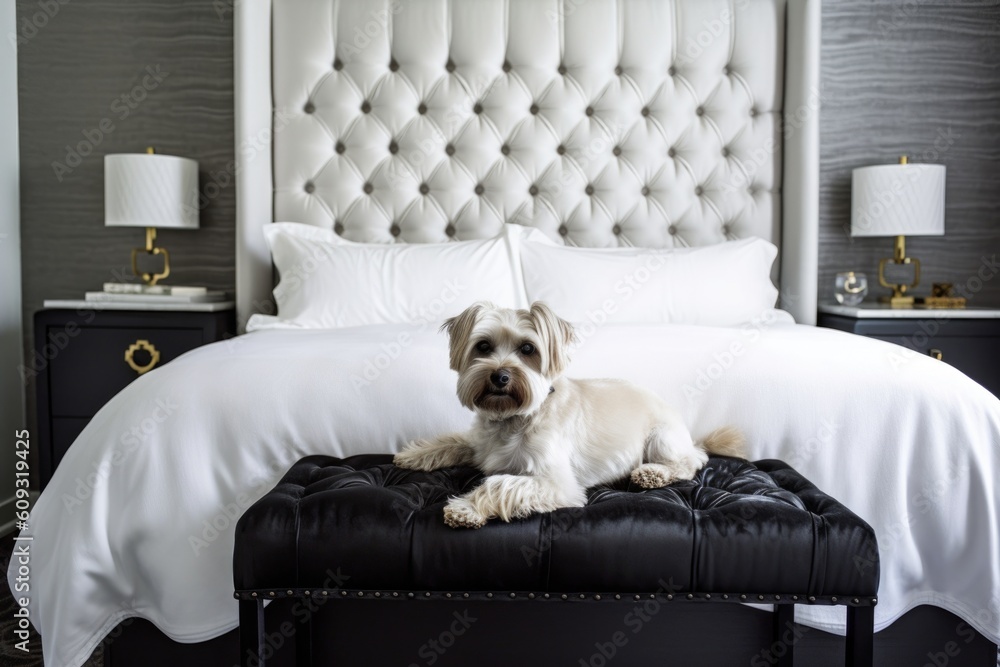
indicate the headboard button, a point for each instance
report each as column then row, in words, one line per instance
column 393, row 66
column 560, row 149
column 421, row 108
column 337, row 65
column 616, row 230
column 699, row 191
column 672, row 230
column 700, row 111
column 726, row 70
column 725, row 229
column 450, row 66
column 505, row 149
column 533, row 109
column 449, row 149
column 480, row 189
column 309, row 107
column 368, row 188
column 645, row 191
column 338, row 228
column 563, row 231
column 424, row 189
column 393, row 147
column 618, row 71
column 753, row 111
column 725, row 151
column 310, row 188
column 365, row 107
column 672, row 152
column 506, row 66
column 394, row 230
column 645, row 111
column 589, row 111
column 533, row 190
column 562, row 70
column 672, row 71
column 589, row 189
column 477, row 108
column 616, row 151
column 450, row 230
column 340, row 148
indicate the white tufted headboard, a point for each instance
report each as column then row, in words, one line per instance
column 650, row 123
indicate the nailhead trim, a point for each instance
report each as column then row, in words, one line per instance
column 513, row 595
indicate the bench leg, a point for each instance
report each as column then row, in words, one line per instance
column 303, row 641
column 783, row 648
column 252, row 633
column 860, row 636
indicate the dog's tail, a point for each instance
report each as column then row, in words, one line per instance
column 725, row 441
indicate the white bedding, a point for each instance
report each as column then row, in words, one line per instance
column 138, row 518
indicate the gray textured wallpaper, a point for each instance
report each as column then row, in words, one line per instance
column 108, row 76
column 922, row 79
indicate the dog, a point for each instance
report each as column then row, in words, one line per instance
column 543, row 439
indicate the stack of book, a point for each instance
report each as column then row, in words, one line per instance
column 135, row 293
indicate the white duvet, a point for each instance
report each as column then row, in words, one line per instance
column 138, row 519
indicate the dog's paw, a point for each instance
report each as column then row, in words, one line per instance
column 651, row 476
column 459, row 513
column 413, row 457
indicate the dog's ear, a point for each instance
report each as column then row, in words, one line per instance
column 459, row 330
column 556, row 334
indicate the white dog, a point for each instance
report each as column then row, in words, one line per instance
column 541, row 439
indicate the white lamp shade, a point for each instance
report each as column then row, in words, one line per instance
column 898, row 200
column 148, row 190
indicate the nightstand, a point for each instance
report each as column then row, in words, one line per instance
column 966, row 338
column 85, row 355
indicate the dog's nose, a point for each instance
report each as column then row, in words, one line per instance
column 500, row 377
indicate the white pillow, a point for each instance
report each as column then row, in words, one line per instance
column 326, row 281
column 719, row 285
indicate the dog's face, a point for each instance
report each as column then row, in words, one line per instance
column 507, row 359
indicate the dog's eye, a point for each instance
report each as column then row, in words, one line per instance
column 527, row 349
column 483, row 346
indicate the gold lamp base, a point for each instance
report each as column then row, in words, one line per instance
column 151, row 249
column 899, row 298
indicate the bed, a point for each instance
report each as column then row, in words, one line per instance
column 594, row 123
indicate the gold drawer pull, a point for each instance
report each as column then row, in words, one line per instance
column 142, row 344
column 936, row 353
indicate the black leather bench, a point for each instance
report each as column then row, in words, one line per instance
column 739, row 532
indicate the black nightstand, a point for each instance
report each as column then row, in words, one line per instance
column 968, row 339
column 80, row 361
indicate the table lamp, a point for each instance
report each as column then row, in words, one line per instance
column 898, row 200
column 151, row 191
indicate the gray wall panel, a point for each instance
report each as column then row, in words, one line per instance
column 922, row 79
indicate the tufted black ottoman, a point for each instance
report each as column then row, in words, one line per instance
column 739, row 532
